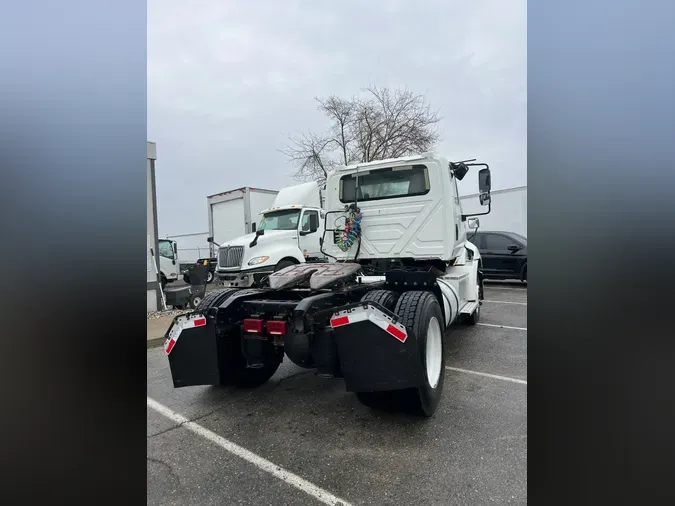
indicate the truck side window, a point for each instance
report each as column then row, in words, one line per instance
column 165, row 250
column 305, row 220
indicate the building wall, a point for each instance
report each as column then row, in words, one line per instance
column 508, row 212
column 154, row 296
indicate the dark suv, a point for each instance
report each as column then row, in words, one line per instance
column 504, row 254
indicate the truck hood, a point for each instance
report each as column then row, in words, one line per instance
column 270, row 235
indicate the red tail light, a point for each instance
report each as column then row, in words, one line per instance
column 253, row 325
column 276, row 327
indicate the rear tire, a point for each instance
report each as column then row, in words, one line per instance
column 244, row 377
column 420, row 312
column 209, row 277
column 386, row 298
column 214, row 298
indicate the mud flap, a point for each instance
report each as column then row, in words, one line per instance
column 192, row 349
column 376, row 352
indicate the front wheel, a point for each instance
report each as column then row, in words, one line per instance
column 283, row 264
column 209, row 277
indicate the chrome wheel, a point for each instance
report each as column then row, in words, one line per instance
column 434, row 350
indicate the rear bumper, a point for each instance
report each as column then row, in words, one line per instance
column 242, row 279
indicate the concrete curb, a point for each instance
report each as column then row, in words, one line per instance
column 155, row 342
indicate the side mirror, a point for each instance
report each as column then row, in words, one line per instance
column 253, row 225
column 175, row 249
column 484, row 183
column 209, row 239
column 473, row 223
column 313, row 222
column 514, row 248
column 459, row 170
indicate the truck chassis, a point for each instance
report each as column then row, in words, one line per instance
column 383, row 336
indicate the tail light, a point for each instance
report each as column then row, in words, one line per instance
column 253, row 325
column 276, row 327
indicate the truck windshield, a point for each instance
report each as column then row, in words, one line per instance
column 280, row 220
column 166, row 249
column 385, row 183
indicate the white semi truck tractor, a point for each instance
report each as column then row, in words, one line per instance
column 288, row 233
column 402, row 272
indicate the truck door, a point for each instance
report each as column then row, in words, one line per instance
column 168, row 262
column 308, row 233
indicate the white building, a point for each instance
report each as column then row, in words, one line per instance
column 154, row 289
column 508, row 213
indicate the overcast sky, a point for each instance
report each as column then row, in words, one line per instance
column 229, row 81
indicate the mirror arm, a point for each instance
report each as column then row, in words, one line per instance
column 465, row 216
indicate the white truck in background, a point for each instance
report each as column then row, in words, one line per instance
column 234, row 213
column 169, row 269
column 289, row 232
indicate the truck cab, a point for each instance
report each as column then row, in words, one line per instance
column 168, row 261
column 288, row 233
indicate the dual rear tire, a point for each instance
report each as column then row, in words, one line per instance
column 421, row 313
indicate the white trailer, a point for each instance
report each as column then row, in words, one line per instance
column 233, row 213
column 509, row 210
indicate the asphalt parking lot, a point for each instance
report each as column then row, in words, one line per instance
column 304, row 440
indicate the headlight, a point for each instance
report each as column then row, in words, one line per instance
column 258, row 260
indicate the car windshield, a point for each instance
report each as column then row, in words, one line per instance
column 280, row 220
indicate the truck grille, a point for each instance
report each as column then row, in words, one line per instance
column 230, row 257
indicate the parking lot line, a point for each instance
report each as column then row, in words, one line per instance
column 487, row 375
column 501, row 326
column 265, row 465
column 505, row 302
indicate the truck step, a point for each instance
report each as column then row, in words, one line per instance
column 469, row 307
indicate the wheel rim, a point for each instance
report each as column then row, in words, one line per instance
column 196, row 301
column 434, row 352
column 209, row 277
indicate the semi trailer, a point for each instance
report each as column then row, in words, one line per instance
column 402, row 272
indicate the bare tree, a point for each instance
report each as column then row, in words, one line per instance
column 382, row 124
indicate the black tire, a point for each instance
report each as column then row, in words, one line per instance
column 254, row 378
column 283, row 264
column 234, row 370
column 214, row 298
column 195, row 300
column 386, row 298
column 415, row 310
column 209, row 277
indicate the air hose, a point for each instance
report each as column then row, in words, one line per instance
column 352, row 230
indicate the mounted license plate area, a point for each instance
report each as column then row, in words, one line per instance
column 376, row 353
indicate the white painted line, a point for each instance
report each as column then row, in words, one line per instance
column 501, row 326
column 250, row 457
column 505, row 302
column 494, row 376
